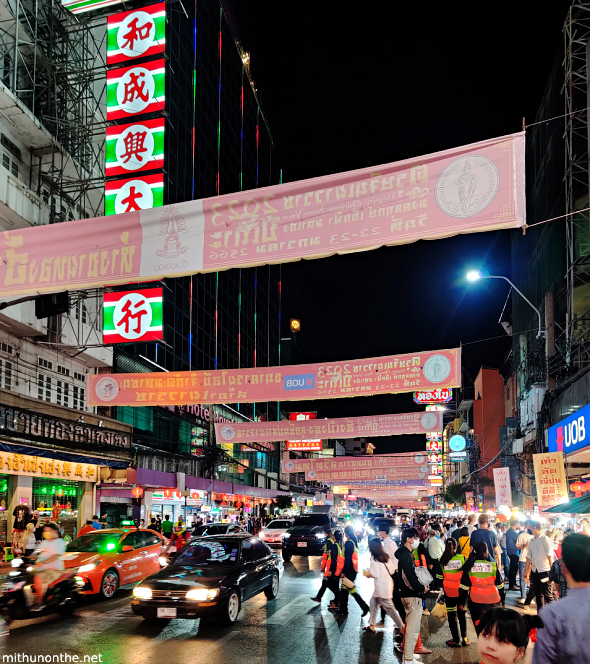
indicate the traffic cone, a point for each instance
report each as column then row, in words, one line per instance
column 418, row 650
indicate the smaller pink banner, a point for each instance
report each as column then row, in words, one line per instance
column 345, row 427
column 379, row 463
column 367, row 474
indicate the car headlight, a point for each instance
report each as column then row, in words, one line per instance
column 359, row 525
column 396, row 532
column 202, row 594
column 286, row 536
column 261, row 533
column 142, row 592
column 163, row 561
column 320, row 536
column 16, row 562
column 88, row 568
column 80, row 581
column 370, row 531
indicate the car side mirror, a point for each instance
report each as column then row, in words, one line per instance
column 127, row 548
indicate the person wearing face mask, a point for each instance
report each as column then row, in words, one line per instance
column 412, row 591
column 50, row 561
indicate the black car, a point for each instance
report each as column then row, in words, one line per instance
column 306, row 536
column 216, row 529
column 210, row 574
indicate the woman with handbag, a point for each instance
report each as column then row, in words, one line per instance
column 381, row 569
column 481, row 581
column 349, row 572
column 452, row 564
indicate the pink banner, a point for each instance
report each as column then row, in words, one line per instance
column 379, row 463
column 474, row 188
column 378, row 375
column 345, row 427
column 367, row 474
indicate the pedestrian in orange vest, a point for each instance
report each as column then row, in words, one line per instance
column 481, row 582
column 452, row 564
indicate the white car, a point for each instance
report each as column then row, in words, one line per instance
column 273, row 533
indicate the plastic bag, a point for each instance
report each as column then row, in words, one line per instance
column 440, row 608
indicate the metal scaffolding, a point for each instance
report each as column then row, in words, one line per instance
column 54, row 66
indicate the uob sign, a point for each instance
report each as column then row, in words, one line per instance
column 571, row 434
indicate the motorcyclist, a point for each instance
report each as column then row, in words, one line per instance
column 50, row 562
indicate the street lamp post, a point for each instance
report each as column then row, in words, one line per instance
column 475, row 276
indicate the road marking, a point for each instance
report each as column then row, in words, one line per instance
column 217, row 644
column 289, row 611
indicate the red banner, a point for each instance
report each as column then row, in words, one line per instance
column 378, row 375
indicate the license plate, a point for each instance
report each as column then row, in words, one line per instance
column 301, row 543
column 166, row 613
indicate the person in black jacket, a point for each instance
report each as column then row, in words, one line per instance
column 349, row 573
column 412, row 591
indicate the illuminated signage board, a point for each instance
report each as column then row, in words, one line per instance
column 79, row 6
column 135, row 147
column 438, row 395
column 304, row 445
column 136, row 89
column 131, row 316
column 138, row 33
column 133, row 194
column 341, row 490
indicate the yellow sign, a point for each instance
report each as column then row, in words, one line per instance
column 342, row 490
column 21, row 464
column 550, row 479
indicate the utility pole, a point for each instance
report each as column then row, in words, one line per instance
column 549, row 338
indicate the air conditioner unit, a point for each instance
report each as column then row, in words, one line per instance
column 517, row 445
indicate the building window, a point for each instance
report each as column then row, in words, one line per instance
column 81, row 312
column 6, row 374
column 14, row 169
column 79, row 395
column 79, row 376
column 6, row 348
column 44, row 387
column 45, row 364
column 62, row 393
column 63, row 370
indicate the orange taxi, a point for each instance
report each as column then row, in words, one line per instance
column 108, row 559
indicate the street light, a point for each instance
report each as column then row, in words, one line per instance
column 475, row 275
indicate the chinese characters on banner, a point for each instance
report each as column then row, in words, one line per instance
column 133, row 90
column 550, row 479
column 503, row 486
column 380, row 375
column 470, row 189
column 133, row 316
column 31, row 466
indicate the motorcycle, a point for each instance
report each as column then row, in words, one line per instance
column 17, row 600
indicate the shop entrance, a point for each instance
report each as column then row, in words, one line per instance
column 116, row 512
column 59, row 499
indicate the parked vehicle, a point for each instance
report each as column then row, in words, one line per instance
column 272, row 534
column 211, row 575
column 216, row 529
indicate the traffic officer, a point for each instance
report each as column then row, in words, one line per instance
column 327, row 560
column 452, row 564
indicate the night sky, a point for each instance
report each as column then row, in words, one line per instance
column 350, row 85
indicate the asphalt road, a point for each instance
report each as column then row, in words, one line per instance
column 288, row 630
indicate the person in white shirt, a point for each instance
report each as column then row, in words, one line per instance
column 522, row 544
column 390, row 548
column 381, row 569
column 471, row 523
column 538, row 565
column 50, row 561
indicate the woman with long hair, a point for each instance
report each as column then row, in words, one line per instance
column 452, row 564
column 464, row 542
column 349, row 573
column 481, row 582
column 503, row 635
column 381, row 570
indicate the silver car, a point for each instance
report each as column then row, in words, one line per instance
column 273, row 533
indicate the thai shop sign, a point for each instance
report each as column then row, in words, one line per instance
column 503, row 486
column 19, row 423
column 32, row 466
column 550, row 479
column 474, row 188
column 380, row 375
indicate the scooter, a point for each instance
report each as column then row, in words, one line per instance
column 17, row 599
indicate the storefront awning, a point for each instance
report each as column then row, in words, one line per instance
column 575, row 506
column 61, row 456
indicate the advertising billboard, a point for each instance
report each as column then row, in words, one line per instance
column 136, row 89
column 137, row 193
column 132, row 316
column 138, row 33
column 572, row 433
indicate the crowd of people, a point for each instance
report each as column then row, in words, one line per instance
column 471, row 565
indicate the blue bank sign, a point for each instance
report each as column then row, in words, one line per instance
column 572, row 433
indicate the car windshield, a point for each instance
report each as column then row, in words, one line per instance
column 311, row 520
column 208, row 553
column 95, row 543
column 207, row 529
column 278, row 524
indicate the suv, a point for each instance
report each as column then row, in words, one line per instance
column 306, row 536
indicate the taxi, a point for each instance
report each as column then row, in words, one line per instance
column 108, row 559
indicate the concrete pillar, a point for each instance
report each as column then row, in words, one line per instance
column 85, row 506
column 146, row 506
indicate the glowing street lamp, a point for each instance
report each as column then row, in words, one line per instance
column 476, row 275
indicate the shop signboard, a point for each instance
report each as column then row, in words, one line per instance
column 136, row 89
column 135, row 147
column 458, row 456
column 137, row 193
column 382, row 375
column 340, row 490
column 572, row 433
column 434, row 396
column 20, row 423
column 138, row 33
column 314, row 445
column 374, row 462
column 32, row 466
column 80, row 6
column 503, row 486
column 550, row 479
column 133, row 316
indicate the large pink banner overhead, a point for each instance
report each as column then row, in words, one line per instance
column 377, row 463
column 368, row 474
column 474, row 188
column 377, row 375
column 345, row 427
